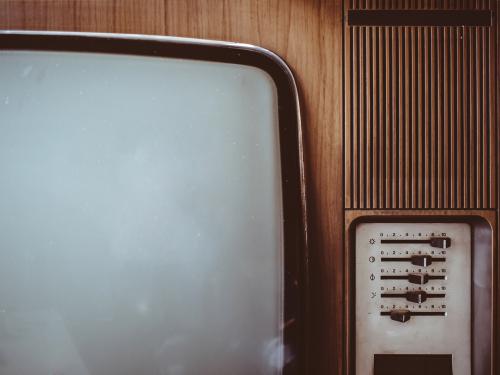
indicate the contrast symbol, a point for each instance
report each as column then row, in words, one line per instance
column 371, row 259
column 372, row 241
column 372, row 277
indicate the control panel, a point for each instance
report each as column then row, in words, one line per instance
column 413, row 296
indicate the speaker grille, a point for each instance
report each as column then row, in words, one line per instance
column 420, row 115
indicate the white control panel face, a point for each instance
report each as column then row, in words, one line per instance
column 413, row 292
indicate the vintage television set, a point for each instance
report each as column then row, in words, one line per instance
column 165, row 206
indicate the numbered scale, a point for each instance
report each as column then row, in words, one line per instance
column 413, row 292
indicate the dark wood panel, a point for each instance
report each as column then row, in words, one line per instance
column 411, row 17
column 308, row 35
column 420, row 4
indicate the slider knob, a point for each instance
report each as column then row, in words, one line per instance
column 401, row 315
column 416, row 296
column 441, row 242
column 421, row 260
column 418, row 278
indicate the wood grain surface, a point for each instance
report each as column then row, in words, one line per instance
column 308, row 35
column 412, row 171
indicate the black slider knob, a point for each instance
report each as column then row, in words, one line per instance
column 421, row 260
column 401, row 315
column 418, row 278
column 441, row 242
column 416, row 296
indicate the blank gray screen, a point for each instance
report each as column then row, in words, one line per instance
column 140, row 216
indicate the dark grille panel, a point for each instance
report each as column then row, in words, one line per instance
column 420, row 114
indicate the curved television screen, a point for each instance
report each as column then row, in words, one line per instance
column 141, row 216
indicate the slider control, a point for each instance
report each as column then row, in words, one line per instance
column 403, row 315
column 415, row 296
column 414, row 278
column 417, row 260
column 441, row 242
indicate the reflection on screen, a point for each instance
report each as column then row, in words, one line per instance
column 140, row 216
